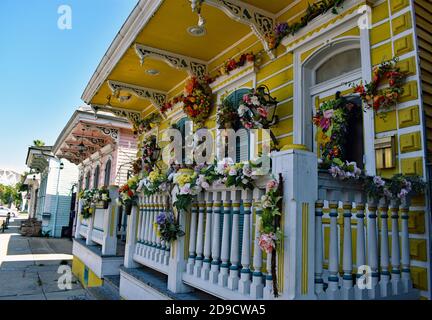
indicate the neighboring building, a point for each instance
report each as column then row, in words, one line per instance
column 103, row 148
column 9, row 177
column 324, row 241
column 56, row 188
column 32, row 181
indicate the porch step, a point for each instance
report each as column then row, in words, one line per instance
column 153, row 285
column 109, row 290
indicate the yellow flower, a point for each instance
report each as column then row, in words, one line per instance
column 182, row 179
column 154, row 175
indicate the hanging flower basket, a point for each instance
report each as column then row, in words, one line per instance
column 128, row 208
column 106, row 204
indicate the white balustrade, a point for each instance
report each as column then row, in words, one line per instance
column 395, row 259
column 384, row 253
column 257, row 286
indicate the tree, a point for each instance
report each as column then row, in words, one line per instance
column 9, row 195
column 38, row 143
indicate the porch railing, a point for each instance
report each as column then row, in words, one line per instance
column 100, row 228
column 372, row 271
column 325, row 253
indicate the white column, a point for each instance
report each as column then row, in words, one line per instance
column 257, row 285
column 386, row 288
column 192, row 239
column 372, row 244
column 319, row 249
column 333, row 292
column 90, row 226
column 131, row 239
column 233, row 279
column 406, row 274
column 200, row 237
column 300, row 174
column 214, row 271
column 207, row 237
column 225, row 250
column 245, row 280
column 78, row 220
column 268, row 289
column 395, row 259
column 109, row 246
column 177, row 263
column 360, row 292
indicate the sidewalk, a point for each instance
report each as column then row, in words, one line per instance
column 28, row 267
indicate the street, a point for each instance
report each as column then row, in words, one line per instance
column 29, row 267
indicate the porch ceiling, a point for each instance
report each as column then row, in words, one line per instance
column 167, row 31
column 273, row 6
column 90, row 135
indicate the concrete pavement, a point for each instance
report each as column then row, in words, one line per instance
column 29, row 267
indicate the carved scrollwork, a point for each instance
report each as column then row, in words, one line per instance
column 158, row 98
column 193, row 67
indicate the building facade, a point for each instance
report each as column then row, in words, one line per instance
column 58, row 181
column 305, row 56
column 103, row 148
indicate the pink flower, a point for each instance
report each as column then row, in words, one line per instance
column 248, row 125
column 325, row 123
column 267, row 242
column 246, row 98
column 262, row 112
column 272, row 185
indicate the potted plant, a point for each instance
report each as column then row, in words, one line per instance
column 104, row 197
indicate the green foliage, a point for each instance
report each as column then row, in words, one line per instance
column 38, row 143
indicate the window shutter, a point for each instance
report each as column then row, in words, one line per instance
column 107, row 173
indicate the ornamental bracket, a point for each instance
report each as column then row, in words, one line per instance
column 157, row 98
column 132, row 116
column 261, row 22
column 194, row 67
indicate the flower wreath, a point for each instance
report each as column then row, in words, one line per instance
column 197, row 100
column 382, row 98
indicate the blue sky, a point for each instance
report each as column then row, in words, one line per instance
column 44, row 70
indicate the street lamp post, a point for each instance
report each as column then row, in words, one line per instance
column 60, row 168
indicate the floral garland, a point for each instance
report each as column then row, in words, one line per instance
column 153, row 182
column 384, row 98
column 332, row 119
column 146, row 124
column 128, row 195
column 283, row 29
column 270, row 231
column 398, row 187
column 231, row 65
column 197, row 100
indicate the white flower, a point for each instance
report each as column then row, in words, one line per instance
column 186, row 189
column 255, row 101
column 232, row 172
column 224, row 164
column 266, row 202
column 242, row 110
column 379, row 181
column 247, row 171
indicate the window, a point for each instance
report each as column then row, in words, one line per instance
column 338, row 65
column 107, row 178
column 87, row 181
column 243, row 139
column 96, row 177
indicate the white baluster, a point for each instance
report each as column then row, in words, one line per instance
column 257, row 285
column 167, row 248
column 333, row 292
column 152, row 229
column 375, row 291
column 319, row 282
column 146, row 227
column 216, row 241
column 395, row 259
column 225, row 250
column 139, row 218
column 347, row 291
column 192, row 239
column 245, row 280
column 200, row 237
column 268, row 289
column 360, row 292
column 386, row 288
column 233, row 279
column 207, row 237
column 406, row 274
column 159, row 210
